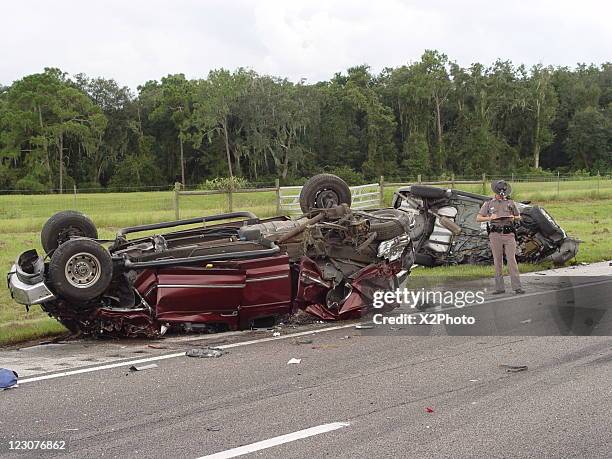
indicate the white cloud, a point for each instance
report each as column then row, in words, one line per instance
column 136, row 40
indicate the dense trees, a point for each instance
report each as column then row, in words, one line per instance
column 430, row 117
column 44, row 120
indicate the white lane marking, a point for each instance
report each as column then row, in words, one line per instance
column 269, row 443
column 177, row 354
column 292, row 335
column 102, row 367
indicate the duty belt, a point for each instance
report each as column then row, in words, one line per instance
column 508, row 229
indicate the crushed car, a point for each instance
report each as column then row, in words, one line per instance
column 224, row 272
column 445, row 230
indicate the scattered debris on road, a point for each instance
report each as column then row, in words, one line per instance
column 326, row 346
column 526, row 321
column 8, row 378
column 303, row 341
column 143, row 367
column 294, row 361
column 276, row 334
column 205, row 353
column 514, row 368
column 364, row 326
column 429, row 410
column 156, row 346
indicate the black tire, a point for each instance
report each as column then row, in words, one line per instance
column 63, row 225
column 71, row 325
column 324, row 190
column 389, row 213
column 389, row 229
column 425, row 191
column 80, row 270
column 424, row 259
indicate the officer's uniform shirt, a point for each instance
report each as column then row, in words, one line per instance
column 503, row 208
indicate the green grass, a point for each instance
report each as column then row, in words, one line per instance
column 27, row 213
column 22, row 213
column 21, row 218
column 32, row 329
column 469, row 272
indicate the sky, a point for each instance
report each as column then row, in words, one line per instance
column 134, row 41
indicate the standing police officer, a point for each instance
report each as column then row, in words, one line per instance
column 500, row 214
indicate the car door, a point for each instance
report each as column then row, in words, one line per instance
column 199, row 294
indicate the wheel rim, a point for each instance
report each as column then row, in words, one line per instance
column 82, row 270
column 326, row 199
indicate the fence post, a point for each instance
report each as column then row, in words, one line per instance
column 419, row 178
column 558, row 184
column 177, row 190
column 278, row 196
column 484, row 183
column 230, row 200
column 452, row 180
column 598, row 178
column 75, row 195
column 382, row 191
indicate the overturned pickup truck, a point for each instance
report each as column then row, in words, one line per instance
column 445, row 230
column 232, row 271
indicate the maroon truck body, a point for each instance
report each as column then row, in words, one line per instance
column 233, row 293
column 229, row 276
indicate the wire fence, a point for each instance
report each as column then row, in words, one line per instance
column 74, row 189
column 23, row 212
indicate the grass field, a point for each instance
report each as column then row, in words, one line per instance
column 580, row 209
column 27, row 213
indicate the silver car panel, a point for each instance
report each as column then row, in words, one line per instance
column 27, row 294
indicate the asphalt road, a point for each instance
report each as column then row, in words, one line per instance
column 381, row 386
column 396, row 396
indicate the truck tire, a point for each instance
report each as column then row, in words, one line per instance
column 64, row 225
column 389, row 229
column 430, row 192
column 424, row 259
column 324, row 191
column 80, row 270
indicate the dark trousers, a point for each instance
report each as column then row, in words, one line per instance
column 501, row 243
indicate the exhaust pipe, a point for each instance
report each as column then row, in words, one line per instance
column 449, row 225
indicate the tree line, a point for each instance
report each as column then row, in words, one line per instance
column 430, row 117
